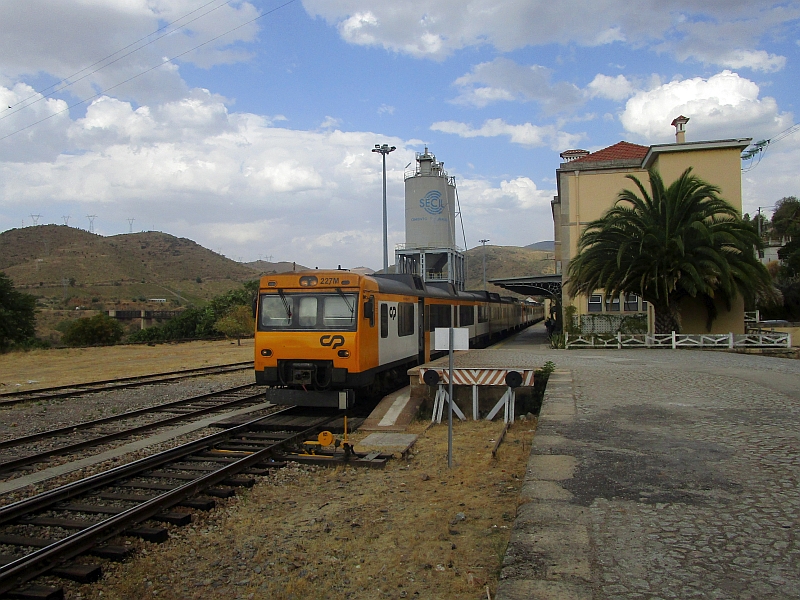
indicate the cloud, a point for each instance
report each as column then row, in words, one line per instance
column 504, row 80
column 722, row 106
column 63, row 38
column 525, row 135
column 711, row 32
column 611, row 88
column 517, row 207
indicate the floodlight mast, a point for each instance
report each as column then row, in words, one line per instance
column 483, row 243
column 384, row 150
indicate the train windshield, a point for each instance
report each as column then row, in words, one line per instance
column 313, row 312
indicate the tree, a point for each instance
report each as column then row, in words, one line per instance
column 17, row 314
column 87, row 331
column 237, row 323
column 668, row 244
column 786, row 222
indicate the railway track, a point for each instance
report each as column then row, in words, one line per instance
column 66, row 391
column 45, row 533
column 38, row 447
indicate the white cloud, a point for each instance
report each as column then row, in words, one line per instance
column 611, row 88
column 711, row 32
column 775, row 177
column 722, row 106
column 62, row 38
column 525, row 135
column 516, row 207
column 503, row 79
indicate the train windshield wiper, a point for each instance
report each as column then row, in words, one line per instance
column 286, row 306
column 346, row 301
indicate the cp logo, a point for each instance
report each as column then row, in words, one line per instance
column 334, row 341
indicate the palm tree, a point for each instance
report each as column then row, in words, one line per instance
column 668, row 244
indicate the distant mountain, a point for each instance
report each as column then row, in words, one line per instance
column 544, row 246
column 266, row 267
column 506, row 261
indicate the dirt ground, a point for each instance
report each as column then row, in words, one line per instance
column 65, row 366
column 413, row 530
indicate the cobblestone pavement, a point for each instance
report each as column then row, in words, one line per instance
column 678, row 472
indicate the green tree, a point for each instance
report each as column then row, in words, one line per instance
column 237, row 323
column 786, row 222
column 17, row 314
column 668, row 244
column 87, row 331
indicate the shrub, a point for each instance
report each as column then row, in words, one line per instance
column 99, row 329
column 17, row 314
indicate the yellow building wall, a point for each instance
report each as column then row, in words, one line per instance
column 721, row 167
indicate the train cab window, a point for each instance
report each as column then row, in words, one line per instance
column 384, row 320
column 274, row 312
column 339, row 311
column 405, row 319
column 307, row 312
column 466, row 315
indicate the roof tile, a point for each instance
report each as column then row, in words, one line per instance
column 619, row 151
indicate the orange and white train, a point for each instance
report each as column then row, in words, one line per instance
column 323, row 336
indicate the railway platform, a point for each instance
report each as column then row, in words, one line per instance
column 659, row 474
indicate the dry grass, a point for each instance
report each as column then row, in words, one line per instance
column 350, row 533
column 46, row 368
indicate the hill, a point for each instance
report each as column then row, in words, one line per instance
column 66, row 267
column 505, row 261
column 548, row 246
column 264, row 266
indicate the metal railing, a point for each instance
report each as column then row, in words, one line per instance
column 680, row 340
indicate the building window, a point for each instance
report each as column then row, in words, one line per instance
column 595, row 303
column 612, row 304
column 631, row 303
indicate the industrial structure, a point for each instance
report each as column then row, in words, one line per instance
column 430, row 249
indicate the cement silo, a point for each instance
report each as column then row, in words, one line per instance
column 430, row 250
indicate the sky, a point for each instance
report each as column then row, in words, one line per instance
column 248, row 126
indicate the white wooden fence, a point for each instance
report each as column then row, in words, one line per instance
column 680, row 340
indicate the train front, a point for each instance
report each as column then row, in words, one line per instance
column 307, row 338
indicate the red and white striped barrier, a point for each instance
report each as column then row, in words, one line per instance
column 480, row 376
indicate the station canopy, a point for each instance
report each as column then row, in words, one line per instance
column 532, row 285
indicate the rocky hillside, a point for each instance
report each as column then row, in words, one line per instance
column 506, row 261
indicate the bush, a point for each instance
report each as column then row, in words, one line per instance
column 17, row 314
column 87, row 331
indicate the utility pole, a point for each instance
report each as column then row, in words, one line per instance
column 35, row 219
column 130, row 224
column 483, row 243
column 66, row 219
column 384, row 150
column 91, row 222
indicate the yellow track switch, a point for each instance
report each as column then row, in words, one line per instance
column 325, row 438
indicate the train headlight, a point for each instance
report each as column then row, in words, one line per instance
column 308, row 281
column 266, row 352
column 344, row 353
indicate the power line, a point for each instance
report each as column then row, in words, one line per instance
column 50, row 95
column 758, row 149
column 129, row 79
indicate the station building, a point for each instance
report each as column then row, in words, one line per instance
column 588, row 186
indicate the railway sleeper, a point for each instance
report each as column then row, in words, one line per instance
column 78, row 572
column 197, row 503
column 157, row 535
column 37, row 592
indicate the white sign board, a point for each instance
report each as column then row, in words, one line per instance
column 442, row 338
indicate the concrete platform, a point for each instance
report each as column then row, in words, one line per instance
column 393, row 443
column 394, row 413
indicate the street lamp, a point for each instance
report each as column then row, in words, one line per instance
column 384, row 150
column 484, row 262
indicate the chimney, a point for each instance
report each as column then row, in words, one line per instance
column 570, row 155
column 679, row 123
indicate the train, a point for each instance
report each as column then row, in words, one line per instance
column 323, row 337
